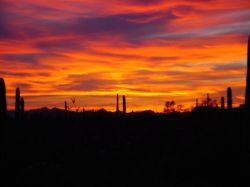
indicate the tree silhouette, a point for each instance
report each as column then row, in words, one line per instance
column 169, row 107
column 73, row 101
column 180, row 108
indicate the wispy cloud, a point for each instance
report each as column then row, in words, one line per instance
column 150, row 50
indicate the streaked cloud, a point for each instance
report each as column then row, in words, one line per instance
column 150, row 50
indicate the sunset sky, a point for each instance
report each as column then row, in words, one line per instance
column 150, row 50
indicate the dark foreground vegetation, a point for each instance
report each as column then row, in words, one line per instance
column 203, row 148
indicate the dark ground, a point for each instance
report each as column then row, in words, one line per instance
column 202, row 148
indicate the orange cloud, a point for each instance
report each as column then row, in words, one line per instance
column 152, row 51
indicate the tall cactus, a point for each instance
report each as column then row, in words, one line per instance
column 65, row 109
column 124, row 104
column 22, row 108
column 3, row 103
column 247, row 97
column 17, row 104
column 229, row 98
column 222, row 103
column 117, row 103
column 208, row 100
column 197, row 103
column 65, row 106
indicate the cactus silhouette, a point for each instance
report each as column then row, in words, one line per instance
column 229, row 98
column 222, row 103
column 66, row 108
column 197, row 103
column 17, row 104
column 208, row 100
column 247, row 97
column 124, row 104
column 22, row 108
column 3, row 103
column 117, row 103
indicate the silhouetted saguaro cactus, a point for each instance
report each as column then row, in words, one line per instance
column 17, row 104
column 222, row 103
column 124, row 104
column 208, row 100
column 22, row 108
column 117, row 103
column 229, row 98
column 247, row 97
column 65, row 109
column 3, row 103
column 197, row 103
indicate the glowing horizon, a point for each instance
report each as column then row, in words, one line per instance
column 149, row 50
